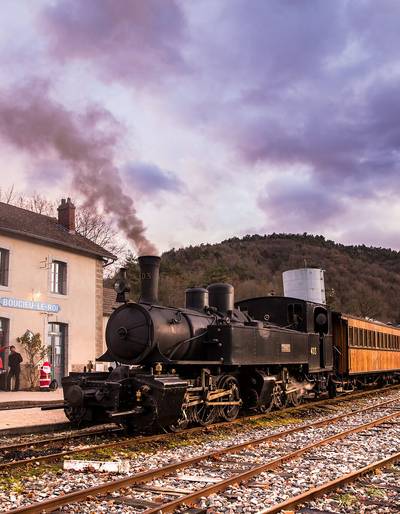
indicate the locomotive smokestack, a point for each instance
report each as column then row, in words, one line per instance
column 149, row 275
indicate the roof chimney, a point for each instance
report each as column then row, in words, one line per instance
column 66, row 214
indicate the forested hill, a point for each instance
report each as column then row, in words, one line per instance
column 360, row 280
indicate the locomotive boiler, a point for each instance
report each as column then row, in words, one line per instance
column 175, row 366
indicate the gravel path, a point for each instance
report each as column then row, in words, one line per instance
column 42, row 482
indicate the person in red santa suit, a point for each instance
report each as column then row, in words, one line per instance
column 2, row 348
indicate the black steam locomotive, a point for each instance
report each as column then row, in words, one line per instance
column 207, row 361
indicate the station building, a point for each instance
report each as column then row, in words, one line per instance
column 51, row 283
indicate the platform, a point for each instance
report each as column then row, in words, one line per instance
column 22, row 399
column 20, row 412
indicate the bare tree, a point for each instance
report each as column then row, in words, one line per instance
column 36, row 203
column 96, row 227
column 8, row 195
column 89, row 223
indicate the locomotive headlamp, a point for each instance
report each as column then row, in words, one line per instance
column 121, row 286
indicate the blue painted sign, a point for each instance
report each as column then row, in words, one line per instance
column 15, row 303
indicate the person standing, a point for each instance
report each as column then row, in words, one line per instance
column 14, row 363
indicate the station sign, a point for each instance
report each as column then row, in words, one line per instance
column 29, row 305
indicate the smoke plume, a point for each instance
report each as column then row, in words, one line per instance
column 31, row 121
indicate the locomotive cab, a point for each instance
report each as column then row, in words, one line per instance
column 302, row 316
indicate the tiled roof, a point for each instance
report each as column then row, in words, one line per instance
column 47, row 230
column 109, row 303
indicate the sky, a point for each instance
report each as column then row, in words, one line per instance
column 192, row 121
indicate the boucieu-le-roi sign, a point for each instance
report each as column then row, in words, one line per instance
column 16, row 303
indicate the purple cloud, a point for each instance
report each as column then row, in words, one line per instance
column 308, row 85
column 126, row 40
column 150, row 179
column 300, row 205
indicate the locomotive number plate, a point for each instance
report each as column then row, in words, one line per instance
column 286, row 348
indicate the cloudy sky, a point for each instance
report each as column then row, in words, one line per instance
column 190, row 121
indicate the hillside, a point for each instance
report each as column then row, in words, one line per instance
column 360, row 280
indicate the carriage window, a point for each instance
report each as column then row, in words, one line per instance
column 351, row 336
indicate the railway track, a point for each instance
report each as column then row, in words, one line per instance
column 331, row 485
column 44, row 445
column 228, row 466
column 80, row 434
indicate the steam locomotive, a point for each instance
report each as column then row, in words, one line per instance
column 209, row 360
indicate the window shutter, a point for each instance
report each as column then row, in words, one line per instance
column 4, row 263
column 63, row 269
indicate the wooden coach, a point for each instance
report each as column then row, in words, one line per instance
column 365, row 347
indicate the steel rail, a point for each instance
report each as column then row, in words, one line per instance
column 304, row 406
column 146, row 476
column 191, row 498
column 331, row 485
column 161, row 437
column 80, row 435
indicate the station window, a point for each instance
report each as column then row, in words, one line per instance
column 59, row 277
column 4, row 262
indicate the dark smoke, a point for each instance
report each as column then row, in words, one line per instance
column 31, row 121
